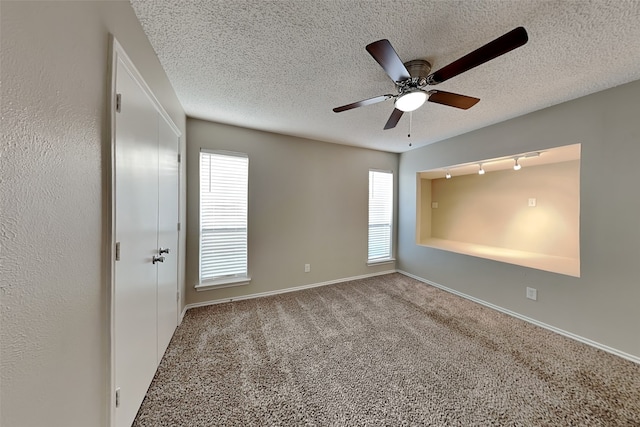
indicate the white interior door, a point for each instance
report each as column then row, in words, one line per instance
column 136, row 231
column 168, row 202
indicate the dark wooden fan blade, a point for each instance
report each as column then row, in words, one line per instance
column 453, row 99
column 503, row 44
column 385, row 54
column 393, row 119
column 362, row 103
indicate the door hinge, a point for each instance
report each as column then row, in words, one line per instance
column 178, row 226
column 178, row 296
column 117, row 397
column 118, row 102
column 179, row 158
column 117, row 251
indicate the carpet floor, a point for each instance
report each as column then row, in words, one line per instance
column 382, row 351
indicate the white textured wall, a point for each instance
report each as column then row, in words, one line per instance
column 53, row 163
column 308, row 204
column 601, row 305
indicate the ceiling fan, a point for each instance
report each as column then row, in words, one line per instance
column 412, row 77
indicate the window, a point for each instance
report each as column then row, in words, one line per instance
column 380, row 215
column 223, row 218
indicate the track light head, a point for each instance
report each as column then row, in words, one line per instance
column 517, row 166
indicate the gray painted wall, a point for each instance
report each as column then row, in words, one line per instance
column 602, row 305
column 53, row 201
column 308, row 204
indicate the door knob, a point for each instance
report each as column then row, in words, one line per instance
column 157, row 258
column 163, row 251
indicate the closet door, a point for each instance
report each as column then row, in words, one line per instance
column 136, row 234
column 168, row 202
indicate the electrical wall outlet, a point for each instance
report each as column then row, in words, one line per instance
column 307, row 268
column 434, row 205
column 532, row 293
column 533, row 202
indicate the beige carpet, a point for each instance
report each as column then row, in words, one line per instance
column 384, row 351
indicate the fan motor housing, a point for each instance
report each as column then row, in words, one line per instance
column 418, row 69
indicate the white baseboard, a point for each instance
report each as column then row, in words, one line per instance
column 184, row 311
column 584, row 340
column 280, row 291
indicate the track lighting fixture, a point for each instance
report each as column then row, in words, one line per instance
column 497, row 164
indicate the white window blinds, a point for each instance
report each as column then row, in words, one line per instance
column 380, row 214
column 223, row 215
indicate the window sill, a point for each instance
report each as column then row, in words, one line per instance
column 223, row 283
column 371, row 263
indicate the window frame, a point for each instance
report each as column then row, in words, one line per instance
column 223, row 281
column 390, row 258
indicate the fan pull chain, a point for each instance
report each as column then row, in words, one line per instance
column 410, row 120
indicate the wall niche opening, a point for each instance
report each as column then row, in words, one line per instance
column 524, row 209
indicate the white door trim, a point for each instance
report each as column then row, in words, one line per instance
column 117, row 53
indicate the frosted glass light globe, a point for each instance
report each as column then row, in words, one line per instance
column 411, row 101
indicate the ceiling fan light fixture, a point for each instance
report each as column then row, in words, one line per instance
column 411, row 101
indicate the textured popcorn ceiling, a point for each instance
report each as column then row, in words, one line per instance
column 282, row 66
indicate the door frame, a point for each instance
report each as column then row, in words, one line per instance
column 117, row 53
